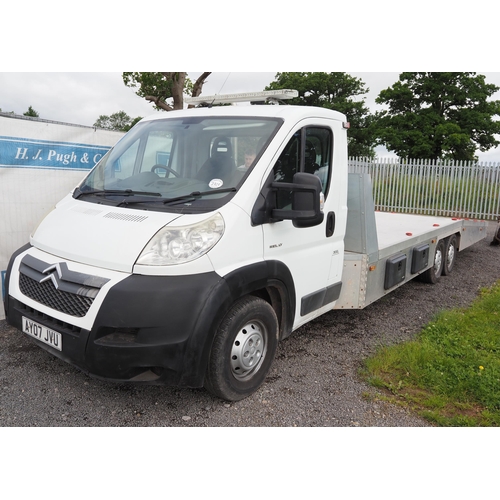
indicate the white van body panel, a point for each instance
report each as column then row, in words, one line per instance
column 241, row 244
column 315, row 261
column 98, row 235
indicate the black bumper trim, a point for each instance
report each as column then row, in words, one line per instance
column 159, row 329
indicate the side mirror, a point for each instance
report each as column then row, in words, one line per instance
column 306, row 202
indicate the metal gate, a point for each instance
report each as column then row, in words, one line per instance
column 453, row 189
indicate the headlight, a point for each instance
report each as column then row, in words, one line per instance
column 176, row 245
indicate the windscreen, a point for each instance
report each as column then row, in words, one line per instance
column 165, row 163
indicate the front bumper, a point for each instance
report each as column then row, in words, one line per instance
column 151, row 329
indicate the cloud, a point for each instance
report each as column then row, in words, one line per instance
column 81, row 97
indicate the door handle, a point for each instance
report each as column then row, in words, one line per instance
column 330, row 224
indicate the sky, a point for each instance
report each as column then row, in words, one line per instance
column 81, row 97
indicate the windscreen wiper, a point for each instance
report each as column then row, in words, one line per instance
column 169, row 201
column 197, row 194
column 118, row 192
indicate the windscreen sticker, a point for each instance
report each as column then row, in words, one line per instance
column 215, row 183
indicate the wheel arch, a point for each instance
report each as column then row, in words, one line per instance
column 269, row 280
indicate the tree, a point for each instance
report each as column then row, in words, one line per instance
column 438, row 116
column 31, row 112
column 159, row 87
column 117, row 121
column 336, row 91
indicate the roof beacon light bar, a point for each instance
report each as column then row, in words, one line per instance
column 267, row 95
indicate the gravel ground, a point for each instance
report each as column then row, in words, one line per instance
column 314, row 381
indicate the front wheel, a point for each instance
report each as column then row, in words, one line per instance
column 433, row 274
column 243, row 350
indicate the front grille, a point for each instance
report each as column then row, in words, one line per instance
column 45, row 293
column 57, row 287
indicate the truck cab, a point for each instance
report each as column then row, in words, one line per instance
column 202, row 239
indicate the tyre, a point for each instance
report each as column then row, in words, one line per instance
column 450, row 255
column 243, row 350
column 496, row 238
column 433, row 274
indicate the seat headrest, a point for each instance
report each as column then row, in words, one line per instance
column 222, row 145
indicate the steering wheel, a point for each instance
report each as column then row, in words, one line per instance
column 156, row 167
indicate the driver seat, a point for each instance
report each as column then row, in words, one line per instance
column 221, row 164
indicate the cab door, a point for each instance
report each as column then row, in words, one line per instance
column 314, row 255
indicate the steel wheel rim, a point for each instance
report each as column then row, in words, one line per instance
column 248, row 350
column 438, row 260
column 450, row 255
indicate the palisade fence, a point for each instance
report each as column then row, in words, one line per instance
column 451, row 189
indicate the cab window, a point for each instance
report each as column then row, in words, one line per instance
column 309, row 150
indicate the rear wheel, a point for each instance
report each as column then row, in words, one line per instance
column 243, row 350
column 450, row 255
column 433, row 274
column 496, row 238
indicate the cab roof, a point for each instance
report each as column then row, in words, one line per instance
column 286, row 112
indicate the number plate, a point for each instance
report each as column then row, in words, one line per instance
column 42, row 333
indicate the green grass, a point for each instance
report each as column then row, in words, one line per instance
column 450, row 374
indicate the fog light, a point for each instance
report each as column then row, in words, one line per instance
column 116, row 336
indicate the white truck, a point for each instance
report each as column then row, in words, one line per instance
column 206, row 236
